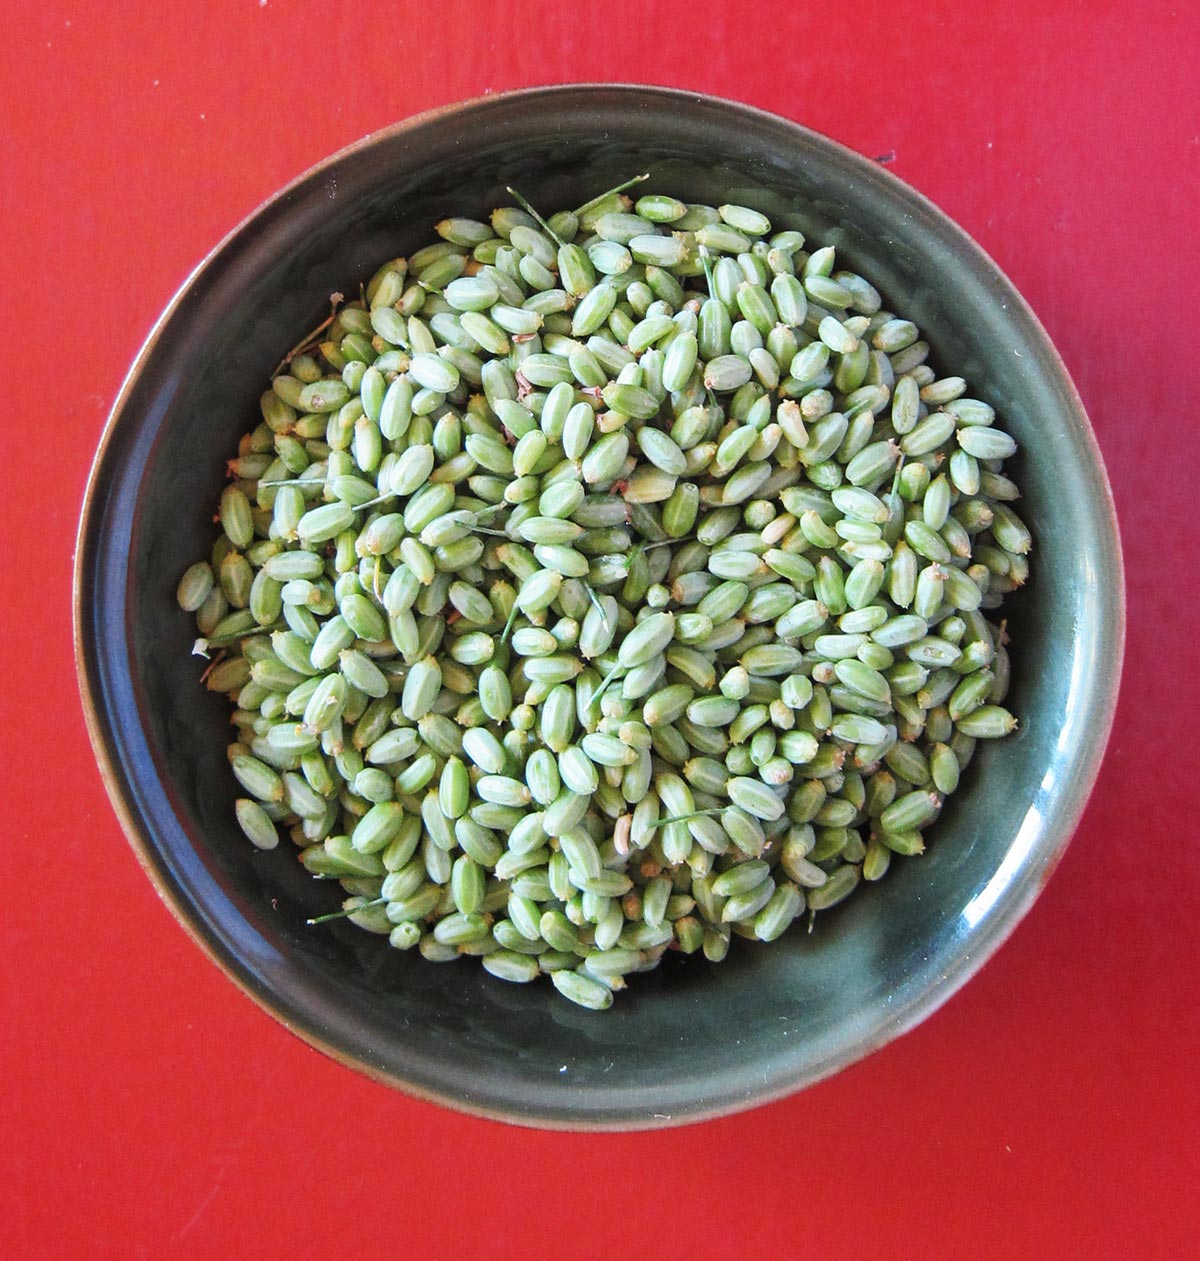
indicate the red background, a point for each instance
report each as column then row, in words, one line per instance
column 147, row 1109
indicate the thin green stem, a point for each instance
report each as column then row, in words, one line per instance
column 222, row 641
column 525, row 205
column 508, row 625
column 347, row 911
column 604, row 682
column 370, row 503
column 620, row 188
column 595, row 599
column 683, row 818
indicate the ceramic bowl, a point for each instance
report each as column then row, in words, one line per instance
column 691, row 1040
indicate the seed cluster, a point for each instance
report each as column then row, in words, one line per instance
column 606, row 585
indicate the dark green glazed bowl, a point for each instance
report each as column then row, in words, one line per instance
column 691, row 1040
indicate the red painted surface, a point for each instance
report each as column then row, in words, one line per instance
column 147, row 1109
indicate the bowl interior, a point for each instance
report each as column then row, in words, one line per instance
column 691, row 1039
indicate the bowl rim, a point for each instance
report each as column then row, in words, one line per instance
column 1018, row 896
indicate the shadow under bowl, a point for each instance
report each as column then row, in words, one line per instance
column 691, row 1040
